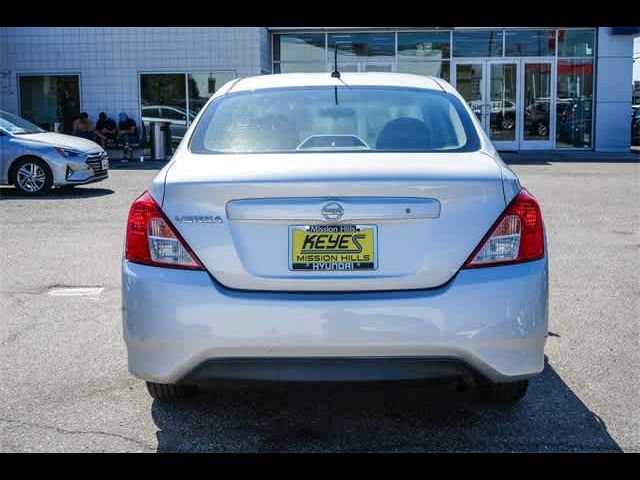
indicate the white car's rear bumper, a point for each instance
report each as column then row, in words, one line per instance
column 182, row 325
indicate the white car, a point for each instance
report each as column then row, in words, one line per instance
column 312, row 228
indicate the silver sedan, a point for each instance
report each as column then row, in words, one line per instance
column 335, row 229
column 35, row 160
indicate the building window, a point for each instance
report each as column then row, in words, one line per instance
column 424, row 45
column 369, row 45
column 437, row 69
column 47, row 100
column 202, row 85
column 424, row 53
column 293, row 67
column 177, row 97
column 574, row 103
column 576, row 43
column 530, row 43
column 478, row 43
column 299, row 52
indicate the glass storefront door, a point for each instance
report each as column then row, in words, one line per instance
column 536, row 105
column 468, row 80
column 491, row 89
column 511, row 98
column 502, row 117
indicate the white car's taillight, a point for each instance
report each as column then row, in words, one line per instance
column 152, row 240
column 517, row 236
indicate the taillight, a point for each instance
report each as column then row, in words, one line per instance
column 152, row 240
column 517, row 236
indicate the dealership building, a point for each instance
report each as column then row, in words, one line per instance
column 532, row 88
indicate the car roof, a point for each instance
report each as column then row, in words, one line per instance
column 378, row 79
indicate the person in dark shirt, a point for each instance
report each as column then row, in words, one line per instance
column 128, row 131
column 105, row 129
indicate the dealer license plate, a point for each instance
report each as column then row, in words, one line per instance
column 333, row 247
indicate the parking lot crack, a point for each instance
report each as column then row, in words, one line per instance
column 64, row 431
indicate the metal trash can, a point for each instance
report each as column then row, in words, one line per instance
column 160, row 140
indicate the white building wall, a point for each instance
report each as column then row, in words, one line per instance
column 614, row 70
column 109, row 59
column 5, row 75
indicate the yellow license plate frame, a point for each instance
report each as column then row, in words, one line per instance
column 334, row 248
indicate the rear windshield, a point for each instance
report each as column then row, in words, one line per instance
column 343, row 118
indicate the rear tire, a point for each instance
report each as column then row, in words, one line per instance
column 169, row 392
column 503, row 393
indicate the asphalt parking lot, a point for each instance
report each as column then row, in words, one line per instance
column 65, row 386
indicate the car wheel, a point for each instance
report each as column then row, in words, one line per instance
column 504, row 393
column 542, row 130
column 168, row 391
column 32, row 176
column 507, row 123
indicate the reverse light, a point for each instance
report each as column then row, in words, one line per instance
column 517, row 236
column 153, row 240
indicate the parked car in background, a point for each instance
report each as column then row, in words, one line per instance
column 537, row 117
column 503, row 114
column 176, row 116
column 321, row 229
column 635, row 126
column 35, row 160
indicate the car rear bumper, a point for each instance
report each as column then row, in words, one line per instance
column 182, row 326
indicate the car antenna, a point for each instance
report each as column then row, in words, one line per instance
column 335, row 73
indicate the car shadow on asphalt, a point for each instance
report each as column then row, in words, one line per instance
column 57, row 193
column 387, row 417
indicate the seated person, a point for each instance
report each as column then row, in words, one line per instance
column 128, row 131
column 106, row 129
column 83, row 127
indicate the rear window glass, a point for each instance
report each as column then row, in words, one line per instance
column 342, row 118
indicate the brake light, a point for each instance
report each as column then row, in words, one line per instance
column 152, row 240
column 517, row 236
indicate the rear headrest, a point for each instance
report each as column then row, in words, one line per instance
column 404, row 133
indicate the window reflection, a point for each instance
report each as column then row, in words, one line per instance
column 163, row 98
column 530, row 43
column 299, row 47
column 503, row 101
column 436, row 69
column 478, row 43
column 47, row 100
column 424, row 45
column 537, row 101
column 574, row 103
column 293, row 67
column 575, row 43
column 362, row 44
column 176, row 98
column 469, row 84
column 202, row 86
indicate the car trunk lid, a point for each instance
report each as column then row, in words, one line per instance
column 417, row 215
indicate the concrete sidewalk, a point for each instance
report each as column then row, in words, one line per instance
column 550, row 156
column 535, row 157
